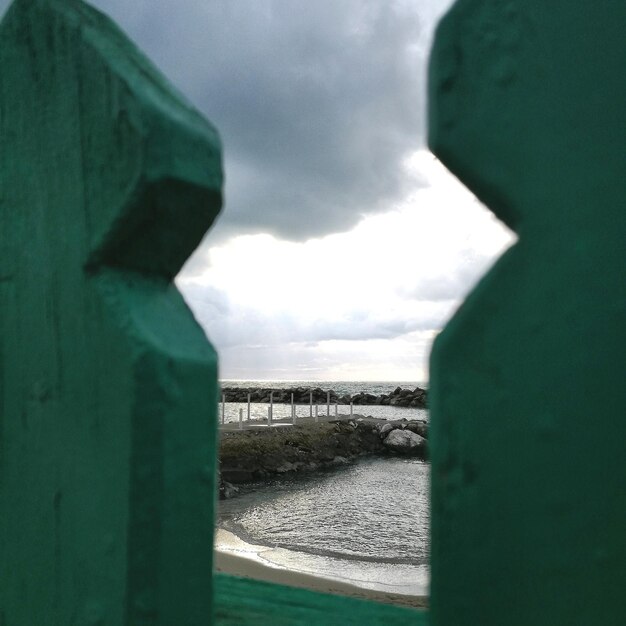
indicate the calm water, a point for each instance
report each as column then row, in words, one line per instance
column 340, row 387
column 259, row 410
column 367, row 523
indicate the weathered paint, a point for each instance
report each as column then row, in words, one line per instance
column 528, row 108
column 108, row 181
column 241, row 602
column 108, row 396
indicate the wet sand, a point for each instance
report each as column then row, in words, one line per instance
column 229, row 563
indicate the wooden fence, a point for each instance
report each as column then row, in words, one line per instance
column 108, row 396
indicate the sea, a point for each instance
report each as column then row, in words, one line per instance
column 258, row 411
column 366, row 523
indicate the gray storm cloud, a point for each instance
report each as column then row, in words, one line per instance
column 317, row 102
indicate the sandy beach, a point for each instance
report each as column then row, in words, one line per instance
column 249, row 567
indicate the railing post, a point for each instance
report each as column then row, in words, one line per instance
column 271, row 413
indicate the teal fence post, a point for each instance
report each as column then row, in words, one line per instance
column 528, row 109
column 108, row 396
column 108, row 387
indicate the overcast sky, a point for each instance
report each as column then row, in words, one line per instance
column 344, row 245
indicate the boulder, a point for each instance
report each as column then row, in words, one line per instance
column 401, row 401
column 228, row 490
column 384, row 429
column 405, row 442
column 418, row 427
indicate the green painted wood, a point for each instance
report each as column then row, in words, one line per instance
column 528, row 108
column 243, row 602
column 108, row 181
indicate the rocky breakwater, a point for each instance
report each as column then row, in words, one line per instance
column 415, row 398
column 255, row 454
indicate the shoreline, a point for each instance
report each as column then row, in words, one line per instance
column 235, row 557
column 256, row 451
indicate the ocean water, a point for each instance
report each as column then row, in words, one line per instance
column 367, row 524
column 258, row 411
column 340, row 387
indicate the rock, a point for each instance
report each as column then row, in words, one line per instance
column 418, row 427
column 405, row 442
column 228, row 490
column 251, row 455
column 416, row 398
column 384, row 429
column 286, row 467
column 402, row 401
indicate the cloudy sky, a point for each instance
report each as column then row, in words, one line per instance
column 344, row 245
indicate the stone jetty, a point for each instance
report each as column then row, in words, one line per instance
column 259, row 452
column 415, row 398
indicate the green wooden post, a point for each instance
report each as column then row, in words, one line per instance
column 528, row 108
column 108, row 387
column 108, row 394
column 108, row 180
